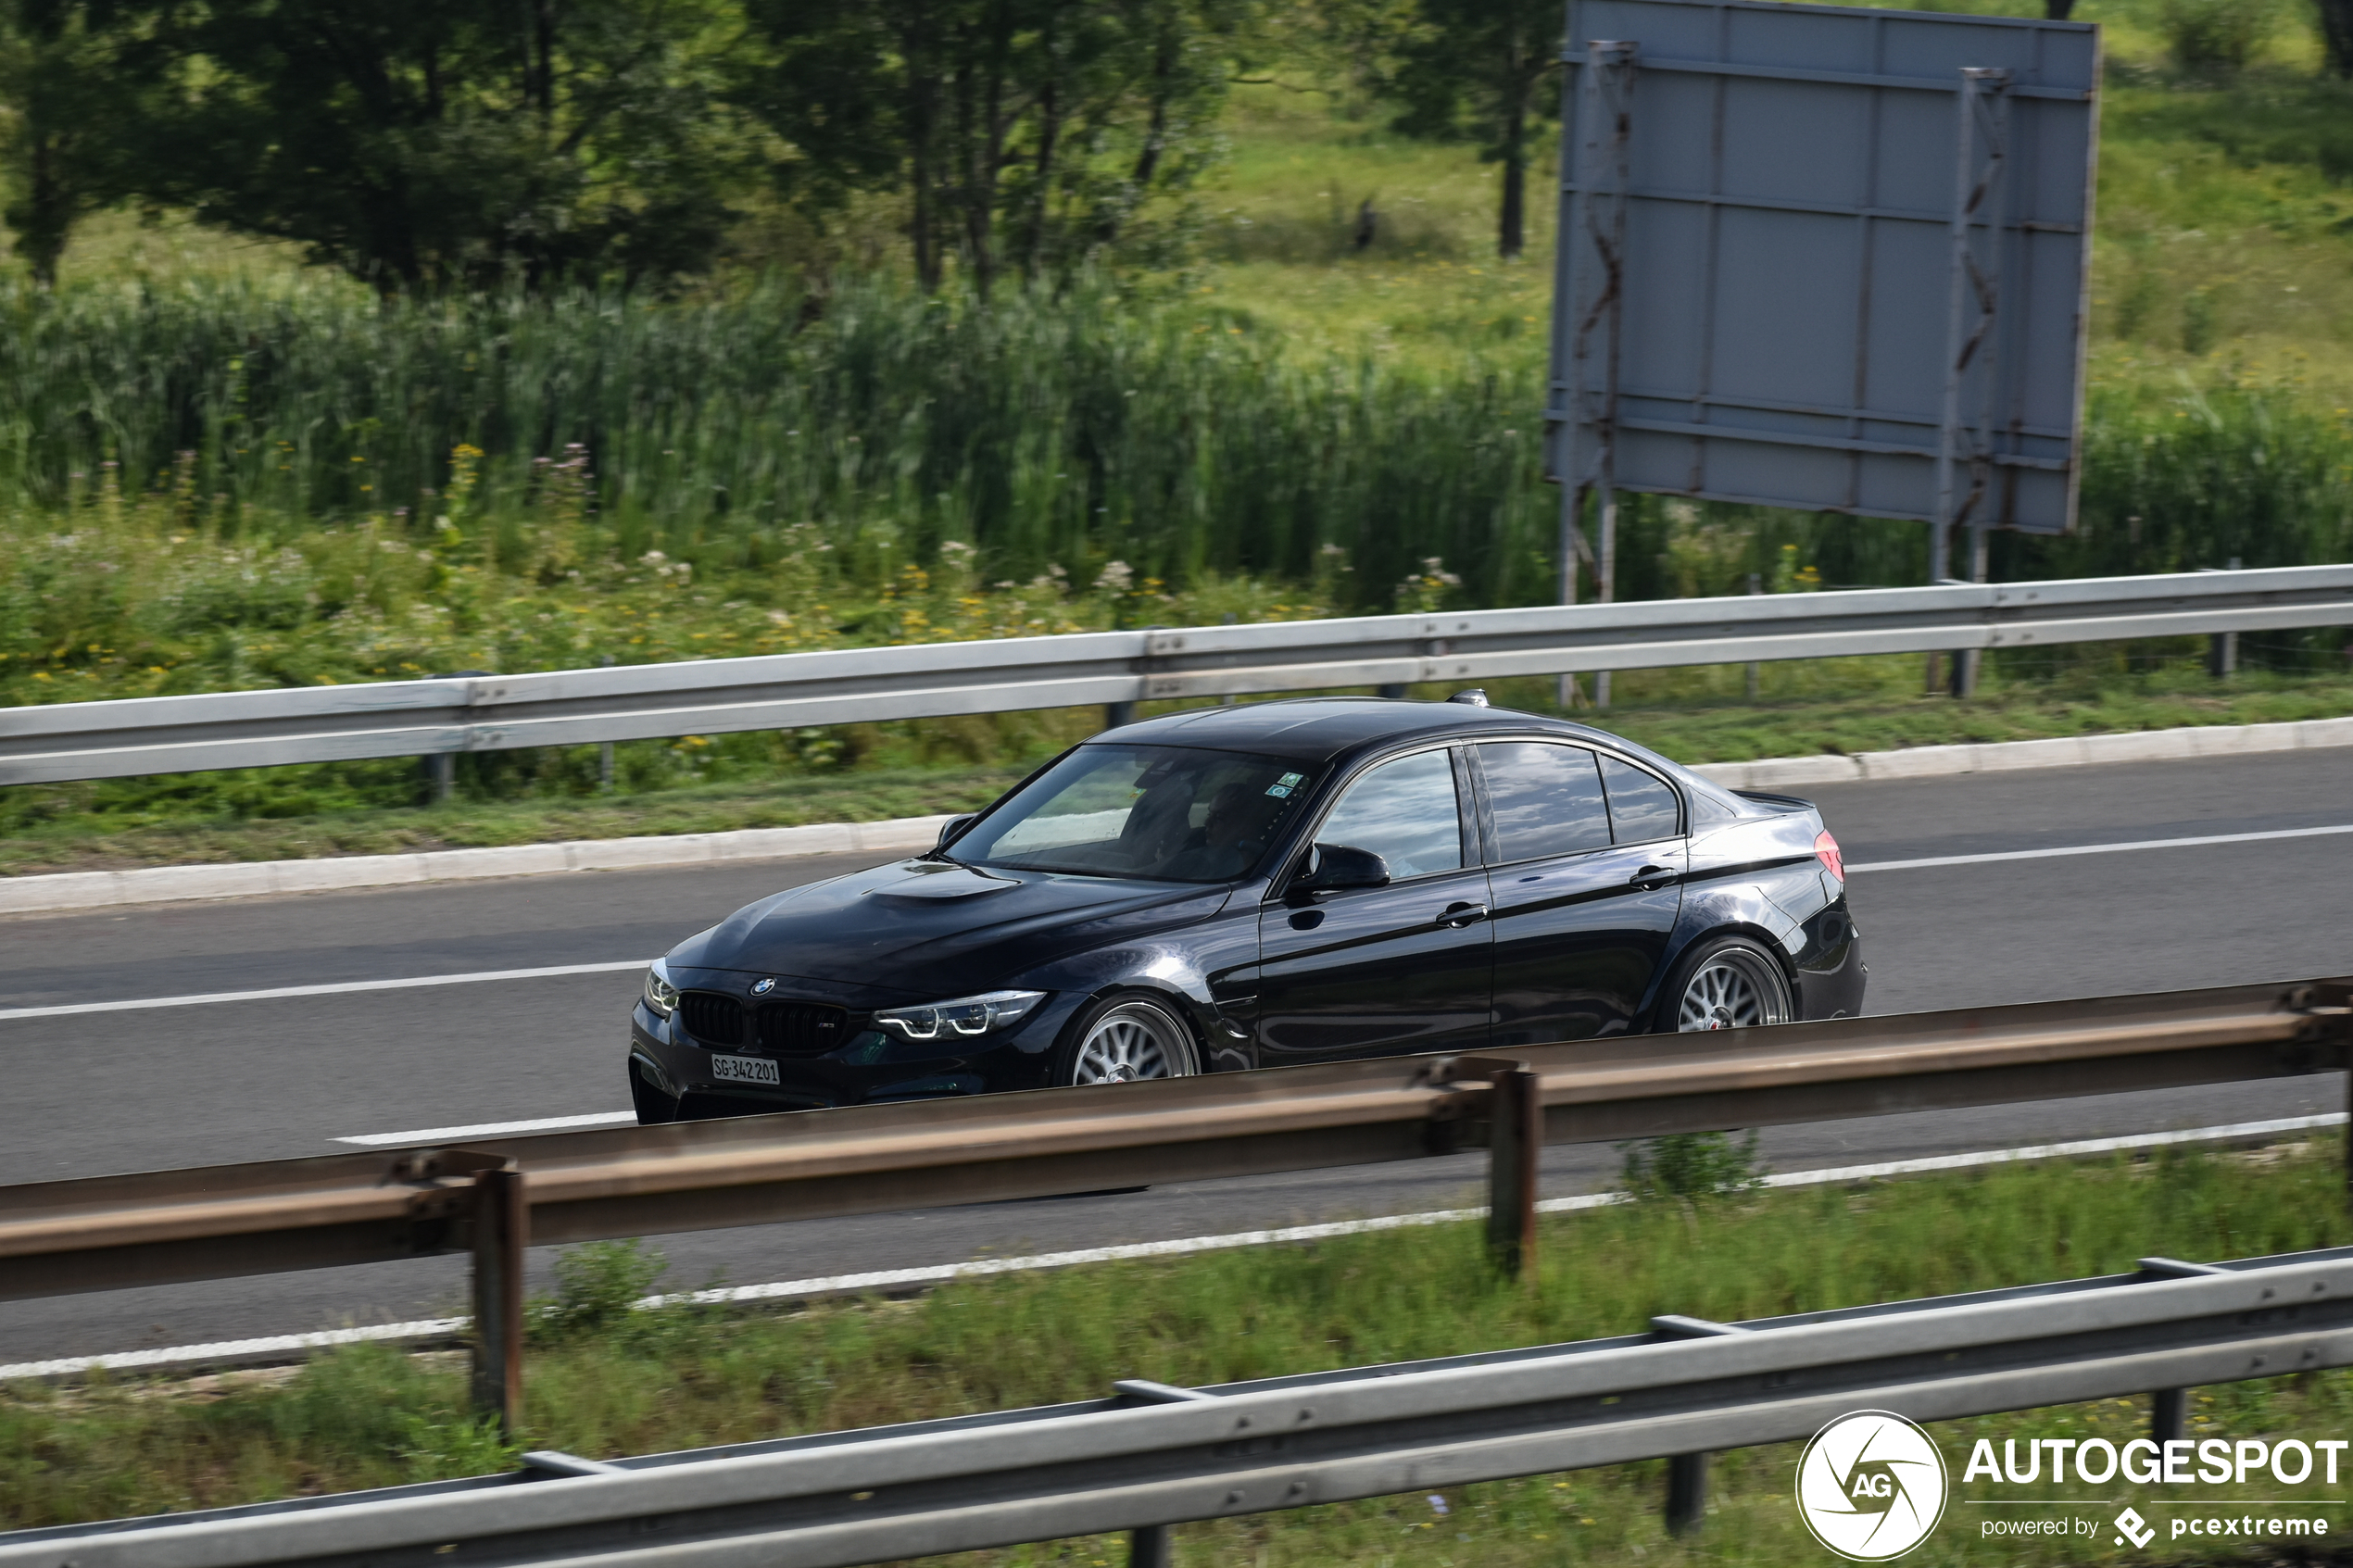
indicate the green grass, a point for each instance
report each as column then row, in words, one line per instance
column 615, row 1382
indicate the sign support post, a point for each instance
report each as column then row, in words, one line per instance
column 1981, row 154
column 1603, row 114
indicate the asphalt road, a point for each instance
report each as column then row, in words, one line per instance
column 144, row 1088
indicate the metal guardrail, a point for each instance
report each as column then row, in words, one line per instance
column 233, row 1221
column 1159, row 1455
column 230, row 1220
column 92, row 740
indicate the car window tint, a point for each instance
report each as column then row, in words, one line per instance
column 1547, row 799
column 1404, row 811
column 1161, row 813
column 1641, row 807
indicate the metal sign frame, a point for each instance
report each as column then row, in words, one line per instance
column 1822, row 257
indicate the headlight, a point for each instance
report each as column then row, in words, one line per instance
column 661, row 995
column 966, row 1015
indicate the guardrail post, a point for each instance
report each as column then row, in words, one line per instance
column 501, row 1231
column 1687, row 1473
column 1686, row 1493
column 2223, row 647
column 1148, row 1546
column 1119, row 715
column 1516, row 1120
column 1755, row 671
column 2168, row 1407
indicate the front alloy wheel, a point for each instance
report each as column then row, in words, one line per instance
column 1736, row 986
column 1133, row 1040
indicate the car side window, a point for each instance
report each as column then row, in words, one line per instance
column 1404, row 811
column 1642, row 807
column 1546, row 799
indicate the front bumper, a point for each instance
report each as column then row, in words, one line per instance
column 671, row 1076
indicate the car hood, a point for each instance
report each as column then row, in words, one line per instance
column 935, row 929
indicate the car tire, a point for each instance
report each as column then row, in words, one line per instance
column 1124, row 1038
column 1726, row 982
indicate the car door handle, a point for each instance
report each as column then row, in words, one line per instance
column 1460, row 915
column 1651, row 878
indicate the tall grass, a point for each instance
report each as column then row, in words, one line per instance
column 1073, row 431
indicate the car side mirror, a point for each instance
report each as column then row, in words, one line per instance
column 953, row 826
column 1332, row 868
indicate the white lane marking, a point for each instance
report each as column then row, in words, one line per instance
column 2097, row 848
column 883, row 1279
column 273, row 1345
column 491, row 1129
column 67, row 1009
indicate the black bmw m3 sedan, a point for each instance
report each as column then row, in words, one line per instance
column 1260, row 886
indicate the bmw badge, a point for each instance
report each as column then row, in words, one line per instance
column 761, row 988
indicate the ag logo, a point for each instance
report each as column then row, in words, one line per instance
column 1871, row 1486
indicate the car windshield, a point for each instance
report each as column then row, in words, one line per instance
column 1158, row 814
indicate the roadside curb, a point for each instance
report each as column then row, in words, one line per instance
column 2063, row 751
column 90, row 890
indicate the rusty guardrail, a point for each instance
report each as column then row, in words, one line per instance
column 231, row 1221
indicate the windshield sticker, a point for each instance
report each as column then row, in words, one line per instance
column 1278, row 790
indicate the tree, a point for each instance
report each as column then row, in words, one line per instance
column 2336, row 36
column 433, row 145
column 1027, row 135
column 66, row 99
column 1482, row 71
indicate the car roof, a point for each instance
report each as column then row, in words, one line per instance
column 1324, row 729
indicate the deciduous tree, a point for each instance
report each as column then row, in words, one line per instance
column 1484, row 72
column 430, row 145
column 1027, row 135
column 66, row 97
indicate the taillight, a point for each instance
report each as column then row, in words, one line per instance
column 1826, row 851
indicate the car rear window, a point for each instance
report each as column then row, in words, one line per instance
column 1641, row 806
column 1546, row 799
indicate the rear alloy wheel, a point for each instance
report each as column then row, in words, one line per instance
column 1129, row 1040
column 1733, row 984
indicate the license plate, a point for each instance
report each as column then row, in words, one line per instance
column 744, row 1068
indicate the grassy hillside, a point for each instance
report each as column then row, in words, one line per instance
column 2223, row 251
column 220, row 468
